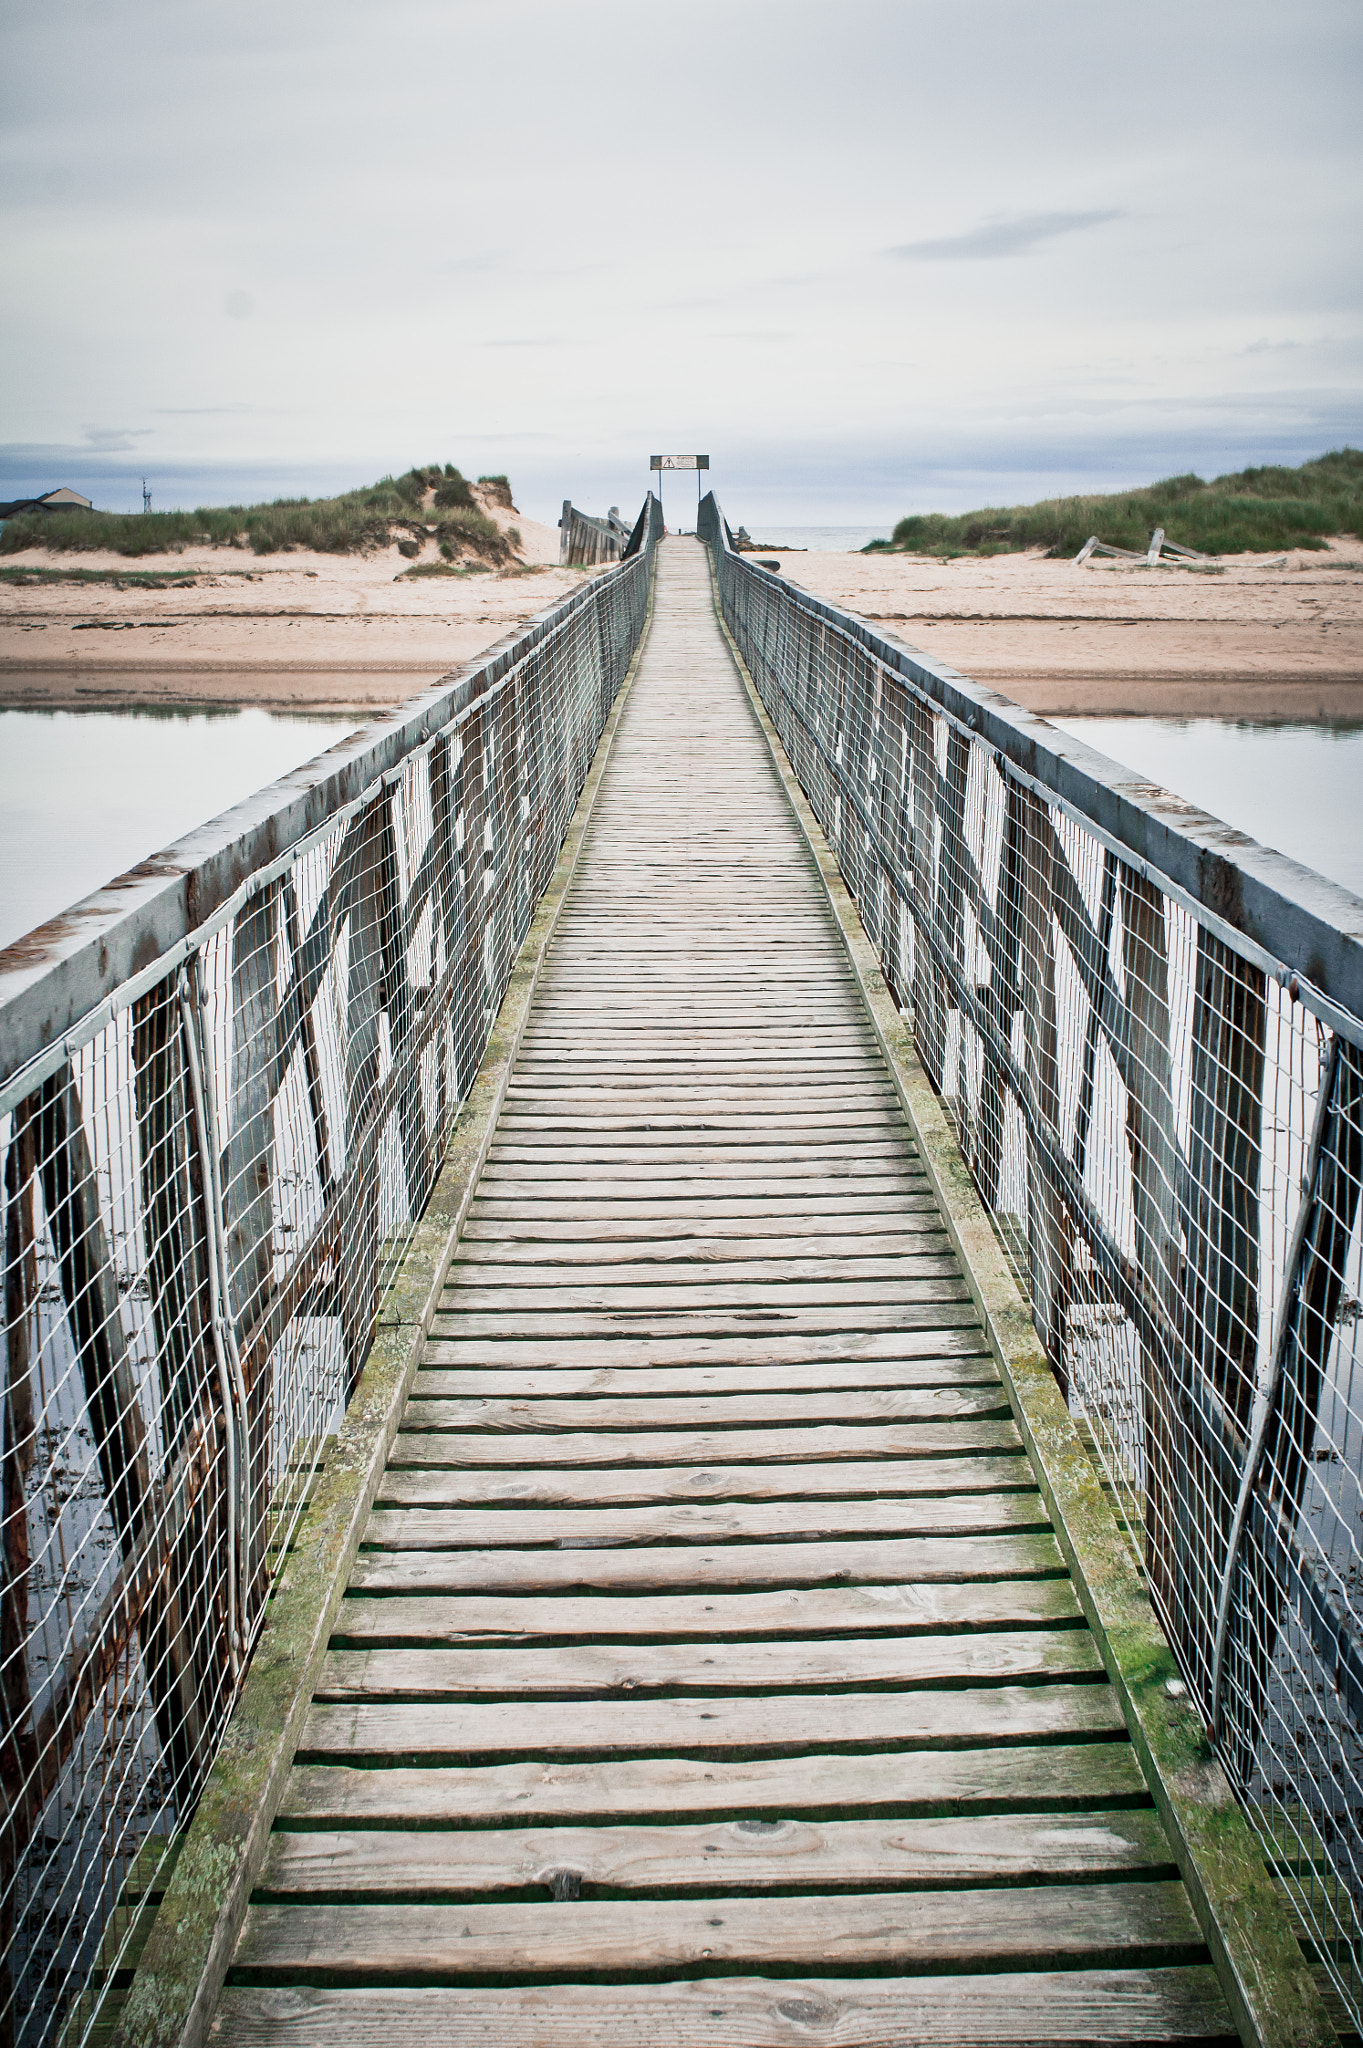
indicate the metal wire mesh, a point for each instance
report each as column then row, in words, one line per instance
column 207, row 1184
column 1147, row 1032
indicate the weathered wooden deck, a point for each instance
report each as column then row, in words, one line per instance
column 710, row 1674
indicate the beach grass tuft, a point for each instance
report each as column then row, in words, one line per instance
column 435, row 502
column 1252, row 511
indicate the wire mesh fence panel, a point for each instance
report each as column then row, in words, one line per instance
column 1148, row 1033
column 214, row 1158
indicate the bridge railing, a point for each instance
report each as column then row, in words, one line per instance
column 1148, row 1031
column 585, row 541
column 226, row 1084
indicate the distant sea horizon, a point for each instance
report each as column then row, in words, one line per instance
column 775, row 533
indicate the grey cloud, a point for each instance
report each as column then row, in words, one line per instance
column 113, row 440
column 993, row 238
column 490, row 259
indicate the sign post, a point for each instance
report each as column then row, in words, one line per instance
column 662, row 462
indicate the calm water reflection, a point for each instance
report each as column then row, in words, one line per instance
column 1296, row 787
column 86, row 794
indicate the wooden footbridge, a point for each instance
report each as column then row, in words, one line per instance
column 709, row 1672
column 587, row 1541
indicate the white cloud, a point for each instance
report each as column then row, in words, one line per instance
column 548, row 239
column 994, row 238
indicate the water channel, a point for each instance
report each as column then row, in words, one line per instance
column 86, row 794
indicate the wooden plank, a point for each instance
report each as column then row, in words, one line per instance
column 851, row 1320
column 827, row 1205
column 596, row 1486
column 695, row 1283
column 934, row 1279
column 593, row 1670
column 877, row 1254
column 790, row 1722
column 720, row 1446
column 647, row 1412
column 703, row 1021
column 770, row 1150
column 777, row 1062
column 748, row 1346
column 816, row 1134
column 732, row 1008
column 1043, row 1778
column 1110, row 2008
column 438, row 1382
column 874, row 1094
column 498, row 1246
column 891, row 1170
column 1042, row 1925
column 744, row 1227
column 887, row 1561
column 687, row 1522
column 741, row 1855
column 904, row 1609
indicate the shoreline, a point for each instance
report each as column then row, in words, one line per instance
column 1258, row 699
column 1277, row 641
column 334, row 688
column 319, row 688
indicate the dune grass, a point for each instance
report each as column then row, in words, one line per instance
column 12, row 578
column 366, row 518
column 1258, row 511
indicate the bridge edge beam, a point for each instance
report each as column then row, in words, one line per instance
column 189, row 1949
column 1263, row 1972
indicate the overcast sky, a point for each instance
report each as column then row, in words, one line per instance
column 872, row 256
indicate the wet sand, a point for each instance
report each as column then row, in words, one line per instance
column 1263, row 639
column 299, row 631
column 1260, row 640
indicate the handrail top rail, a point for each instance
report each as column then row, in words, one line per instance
column 57, row 975
column 1303, row 924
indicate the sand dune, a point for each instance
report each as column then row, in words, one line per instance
column 301, row 630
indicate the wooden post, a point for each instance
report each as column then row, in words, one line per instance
column 248, row 1192
column 445, row 912
column 1220, row 1283
column 90, row 1291
column 397, row 1000
column 929, row 1019
column 359, row 1231
column 308, row 1032
column 1047, row 1237
column 175, row 1228
column 1000, row 1001
column 113, row 1403
column 18, row 1747
column 1093, row 1027
column 1315, row 1297
column 1154, row 1196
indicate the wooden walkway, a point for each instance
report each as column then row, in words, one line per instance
column 710, row 1677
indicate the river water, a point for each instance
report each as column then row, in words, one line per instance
column 86, row 794
column 1298, row 788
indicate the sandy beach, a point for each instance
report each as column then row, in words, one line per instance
column 296, row 631
column 1277, row 637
